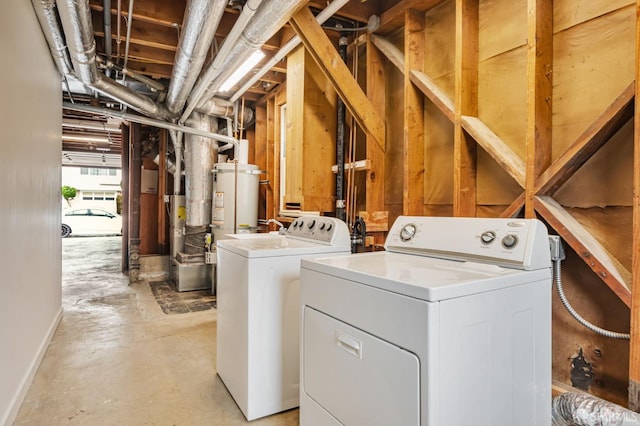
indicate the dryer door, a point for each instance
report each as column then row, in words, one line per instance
column 357, row 377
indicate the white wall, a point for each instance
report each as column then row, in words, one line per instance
column 30, row 247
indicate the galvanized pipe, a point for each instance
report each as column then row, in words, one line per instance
column 201, row 20
column 270, row 16
column 107, row 31
column 249, row 9
column 78, row 28
column 127, row 40
column 150, row 122
column 322, row 17
column 47, row 16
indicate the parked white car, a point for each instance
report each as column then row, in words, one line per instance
column 90, row 221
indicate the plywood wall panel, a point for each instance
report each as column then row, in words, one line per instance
column 606, row 179
column 393, row 167
column 438, row 177
column 503, row 26
column 596, row 303
column 592, row 66
column 495, row 185
column 568, row 13
column 440, row 38
column 502, row 97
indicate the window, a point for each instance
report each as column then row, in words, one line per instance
column 93, row 171
column 99, row 195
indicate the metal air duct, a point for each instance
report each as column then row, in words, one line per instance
column 201, row 19
column 200, row 155
column 48, row 18
column 270, row 16
column 78, row 29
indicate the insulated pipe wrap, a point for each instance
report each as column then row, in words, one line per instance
column 270, row 16
column 202, row 18
column 200, row 154
column 582, row 409
column 47, row 16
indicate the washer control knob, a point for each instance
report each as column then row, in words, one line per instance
column 408, row 232
column 509, row 241
column 301, row 223
column 329, row 226
column 322, row 225
column 312, row 223
column 488, row 237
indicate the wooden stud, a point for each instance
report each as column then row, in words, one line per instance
column 392, row 53
column 603, row 264
column 393, row 18
column 634, row 350
column 431, row 90
column 588, row 143
column 495, row 147
column 326, row 56
column 376, row 92
column 163, row 243
column 413, row 182
column 539, row 94
column 466, row 94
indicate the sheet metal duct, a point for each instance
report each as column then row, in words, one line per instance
column 200, row 155
column 270, row 16
column 78, row 30
column 48, row 18
column 224, row 108
column 201, row 20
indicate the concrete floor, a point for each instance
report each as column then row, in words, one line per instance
column 117, row 359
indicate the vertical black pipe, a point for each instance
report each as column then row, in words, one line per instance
column 135, row 173
column 340, row 143
column 124, row 205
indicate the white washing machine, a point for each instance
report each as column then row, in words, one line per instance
column 450, row 326
column 258, row 318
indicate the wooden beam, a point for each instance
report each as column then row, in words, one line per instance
column 163, row 243
column 326, row 56
column 393, row 18
column 514, row 208
column 431, row 90
column 466, row 94
column 608, row 269
column 495, row 147
column 539, row 94
column 376, row 92
column 392, row 53
column 413, row 140
column 634, row 347
column 588, row 143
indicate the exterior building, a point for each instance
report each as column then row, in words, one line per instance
column 96, row 187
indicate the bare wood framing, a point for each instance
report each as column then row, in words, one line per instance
column 608, row 269
column 495, row 147
column 413, row 151
column 376, row 92
column 514, row 208
column 588, row 143
column 634, row 350
column 539, row 94
column 393, row 54
column 466, row 93
column 326, row 56
column 436, row 95
column 162, row 190
column 393, row 18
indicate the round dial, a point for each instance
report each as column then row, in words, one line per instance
column 312, row 223
column 488, row 237
column 329, row 226
column 322, row 225
column 509, row 241
column 408, row 232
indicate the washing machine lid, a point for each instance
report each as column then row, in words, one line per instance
column 425, row 278
column 278, row 245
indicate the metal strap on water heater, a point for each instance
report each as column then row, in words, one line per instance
column 249, row 172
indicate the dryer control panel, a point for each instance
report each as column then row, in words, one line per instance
column 324, row 229
column 514, row 243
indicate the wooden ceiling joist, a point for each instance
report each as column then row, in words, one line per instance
column 607, row 267
column 326, row 56
column 393, row 18
column 588, row 143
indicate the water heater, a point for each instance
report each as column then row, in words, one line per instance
column 235, row 198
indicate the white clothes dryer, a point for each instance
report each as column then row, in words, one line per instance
column 450, row 326
column 258, row 311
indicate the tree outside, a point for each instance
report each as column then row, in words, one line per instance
column 69, row 193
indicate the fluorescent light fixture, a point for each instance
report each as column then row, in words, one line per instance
column 242, row 70
column 81, row 138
